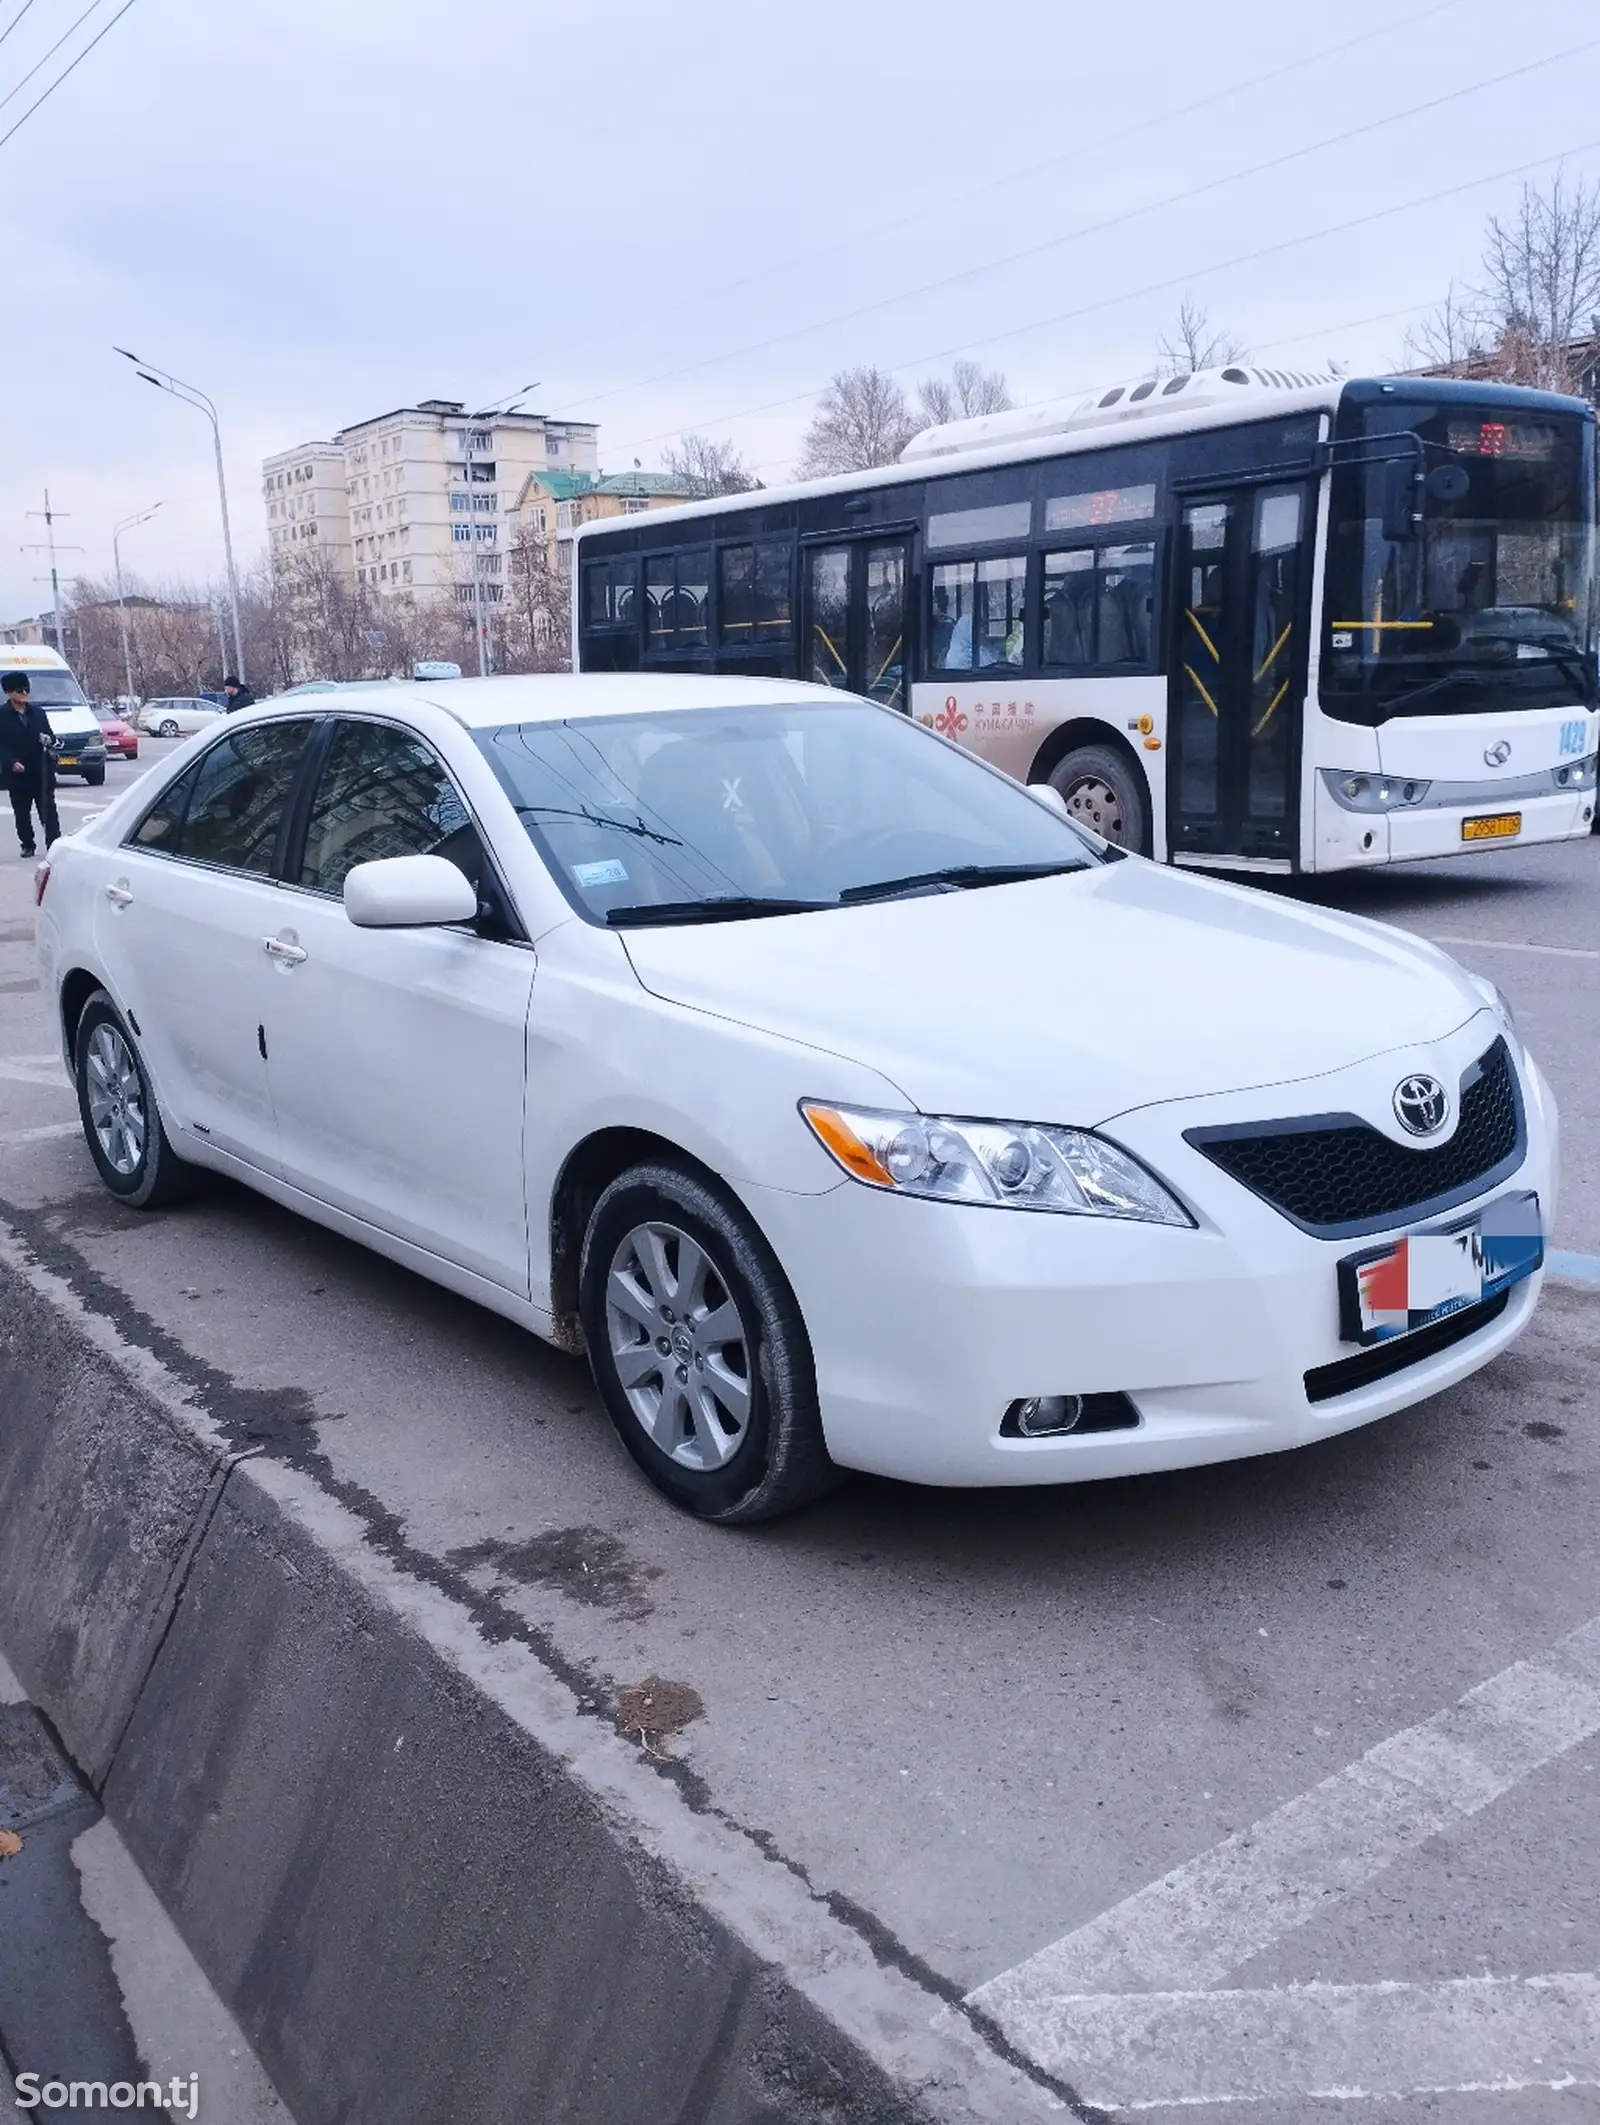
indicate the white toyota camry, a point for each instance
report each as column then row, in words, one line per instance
column 848, row 1104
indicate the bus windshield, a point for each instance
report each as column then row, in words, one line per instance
column 1488, row 603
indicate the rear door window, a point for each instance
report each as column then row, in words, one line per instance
column 228, row 808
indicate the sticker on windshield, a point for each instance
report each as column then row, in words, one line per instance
column 610, row 872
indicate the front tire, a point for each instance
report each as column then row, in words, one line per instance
column 94, row 776
column 699, row 1349
column 1106, row 793
column 121, row 1121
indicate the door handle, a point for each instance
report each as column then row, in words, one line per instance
column 285, row 953
column 119, row 895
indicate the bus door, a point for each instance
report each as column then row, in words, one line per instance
column 1238, row 661
column 856, row 614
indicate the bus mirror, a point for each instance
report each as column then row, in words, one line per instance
column 1402, row 499
column 1448, row 483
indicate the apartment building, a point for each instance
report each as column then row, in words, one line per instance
column 308, row 509
column 412, row 502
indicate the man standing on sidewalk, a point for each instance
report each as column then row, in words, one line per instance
column 28, row 762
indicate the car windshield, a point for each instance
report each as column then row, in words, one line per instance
column 1489, row 604
column 55, row 689
column 704, row 814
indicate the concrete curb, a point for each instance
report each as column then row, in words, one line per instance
column 414, row 1859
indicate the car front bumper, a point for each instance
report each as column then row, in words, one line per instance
column 928, row 1320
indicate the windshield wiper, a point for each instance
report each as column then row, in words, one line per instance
column 1390, row 703
column 1574, row 665
column 728, row 907
column 956, row 876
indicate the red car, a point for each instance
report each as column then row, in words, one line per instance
column 122, row 740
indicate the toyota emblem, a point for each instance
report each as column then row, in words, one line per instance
column 1498, row 754
column 1421, row 1105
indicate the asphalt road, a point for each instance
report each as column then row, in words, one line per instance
column 1331, row 1703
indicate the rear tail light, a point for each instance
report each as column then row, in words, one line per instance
column 41, row 878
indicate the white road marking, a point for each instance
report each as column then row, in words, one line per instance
column 45, row 1070
column 9, row 1138
column 180, row 2024
column 1507, row 944
column 1189, row 1930
column 1160, row 2050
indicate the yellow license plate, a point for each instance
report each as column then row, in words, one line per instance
column 1493, row 826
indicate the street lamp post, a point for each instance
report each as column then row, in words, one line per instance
column 142, row 517
column 489, row 413
column 192, row 395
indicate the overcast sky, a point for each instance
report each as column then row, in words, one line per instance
column 688, row 213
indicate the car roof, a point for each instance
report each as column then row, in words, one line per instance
column 30, row 656
column 553, row 697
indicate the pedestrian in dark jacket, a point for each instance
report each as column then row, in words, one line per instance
column 28, row 762
column 239, row 695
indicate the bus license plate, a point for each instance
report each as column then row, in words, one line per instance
column 1492, row 826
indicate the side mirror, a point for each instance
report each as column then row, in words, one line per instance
column 1402, row 500
column 1048, row 794
column 407, row 893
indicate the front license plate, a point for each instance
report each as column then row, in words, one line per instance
column 1405, row 1284
column 67, row 760
column 1492, row 826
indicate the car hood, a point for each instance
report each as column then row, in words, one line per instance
column 1069, row 999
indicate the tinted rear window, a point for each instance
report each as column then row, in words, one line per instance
column 227, row 808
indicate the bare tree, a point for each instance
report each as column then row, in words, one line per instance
column 1536, row 317
column 969, row 390
column 1190, row 343
column 536, row 630
column 1457, row 333
column 1542, row 275
column 704, row 466
column 862, row 419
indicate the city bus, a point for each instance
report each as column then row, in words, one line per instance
column 1249, row 618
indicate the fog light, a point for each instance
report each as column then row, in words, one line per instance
column 1042, row 1414
column 1053, row 1416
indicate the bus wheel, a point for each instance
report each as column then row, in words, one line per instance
column 1107, row 794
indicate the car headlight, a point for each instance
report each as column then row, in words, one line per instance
column 1497, row 1000
column 1011, row 1165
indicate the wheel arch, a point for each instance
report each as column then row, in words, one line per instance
column 1085, row 730
column 588, row 1170
column 78, row 986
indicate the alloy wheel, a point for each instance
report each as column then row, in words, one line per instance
column 116, row 1100
column 679, row 1346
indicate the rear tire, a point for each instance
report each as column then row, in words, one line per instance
column 169, row 729
column 699, row 1349
column 121, row 1121
column 1106, row 793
